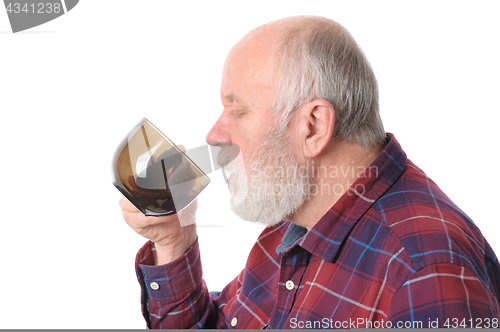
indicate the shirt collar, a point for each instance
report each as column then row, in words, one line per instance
column 293, row 233
column 326, row 237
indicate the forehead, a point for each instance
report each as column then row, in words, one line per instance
column 248, row 72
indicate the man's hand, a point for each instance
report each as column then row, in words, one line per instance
column 170, row 238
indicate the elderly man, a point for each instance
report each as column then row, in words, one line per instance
column 357, row 236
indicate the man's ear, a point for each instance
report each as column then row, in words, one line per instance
column 317, row 119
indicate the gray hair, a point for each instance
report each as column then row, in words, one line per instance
column 319, row 59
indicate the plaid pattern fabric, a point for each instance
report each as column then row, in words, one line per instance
column 394, row 251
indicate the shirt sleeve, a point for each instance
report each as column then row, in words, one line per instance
column 444, row 296
column 174, row 295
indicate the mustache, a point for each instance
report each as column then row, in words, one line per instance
column 227, row 154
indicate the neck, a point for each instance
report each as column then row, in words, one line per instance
column 332, row 174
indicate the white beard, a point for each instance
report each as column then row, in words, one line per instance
column 269, row 188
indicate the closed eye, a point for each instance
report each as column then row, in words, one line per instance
column 239, row 113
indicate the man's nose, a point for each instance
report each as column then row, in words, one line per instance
column 219, row 134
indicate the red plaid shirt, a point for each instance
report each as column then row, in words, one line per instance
column 394, row 251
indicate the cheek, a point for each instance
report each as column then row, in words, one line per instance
column 245, row 142
column 249, row 133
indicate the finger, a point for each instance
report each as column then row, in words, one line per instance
column 139, row 221
column 126, row 205
column 180, row 146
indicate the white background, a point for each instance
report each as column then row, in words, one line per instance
column 72, row 88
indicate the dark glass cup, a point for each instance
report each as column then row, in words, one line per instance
column 154, row 174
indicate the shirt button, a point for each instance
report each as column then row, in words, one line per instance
column 289, row 285
column 154, row 286
column 234, row 321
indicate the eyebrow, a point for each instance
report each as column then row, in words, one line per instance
column 232, row 97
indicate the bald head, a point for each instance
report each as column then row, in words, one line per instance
column 278, row 29
column 248, row 69
column 264, row 41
